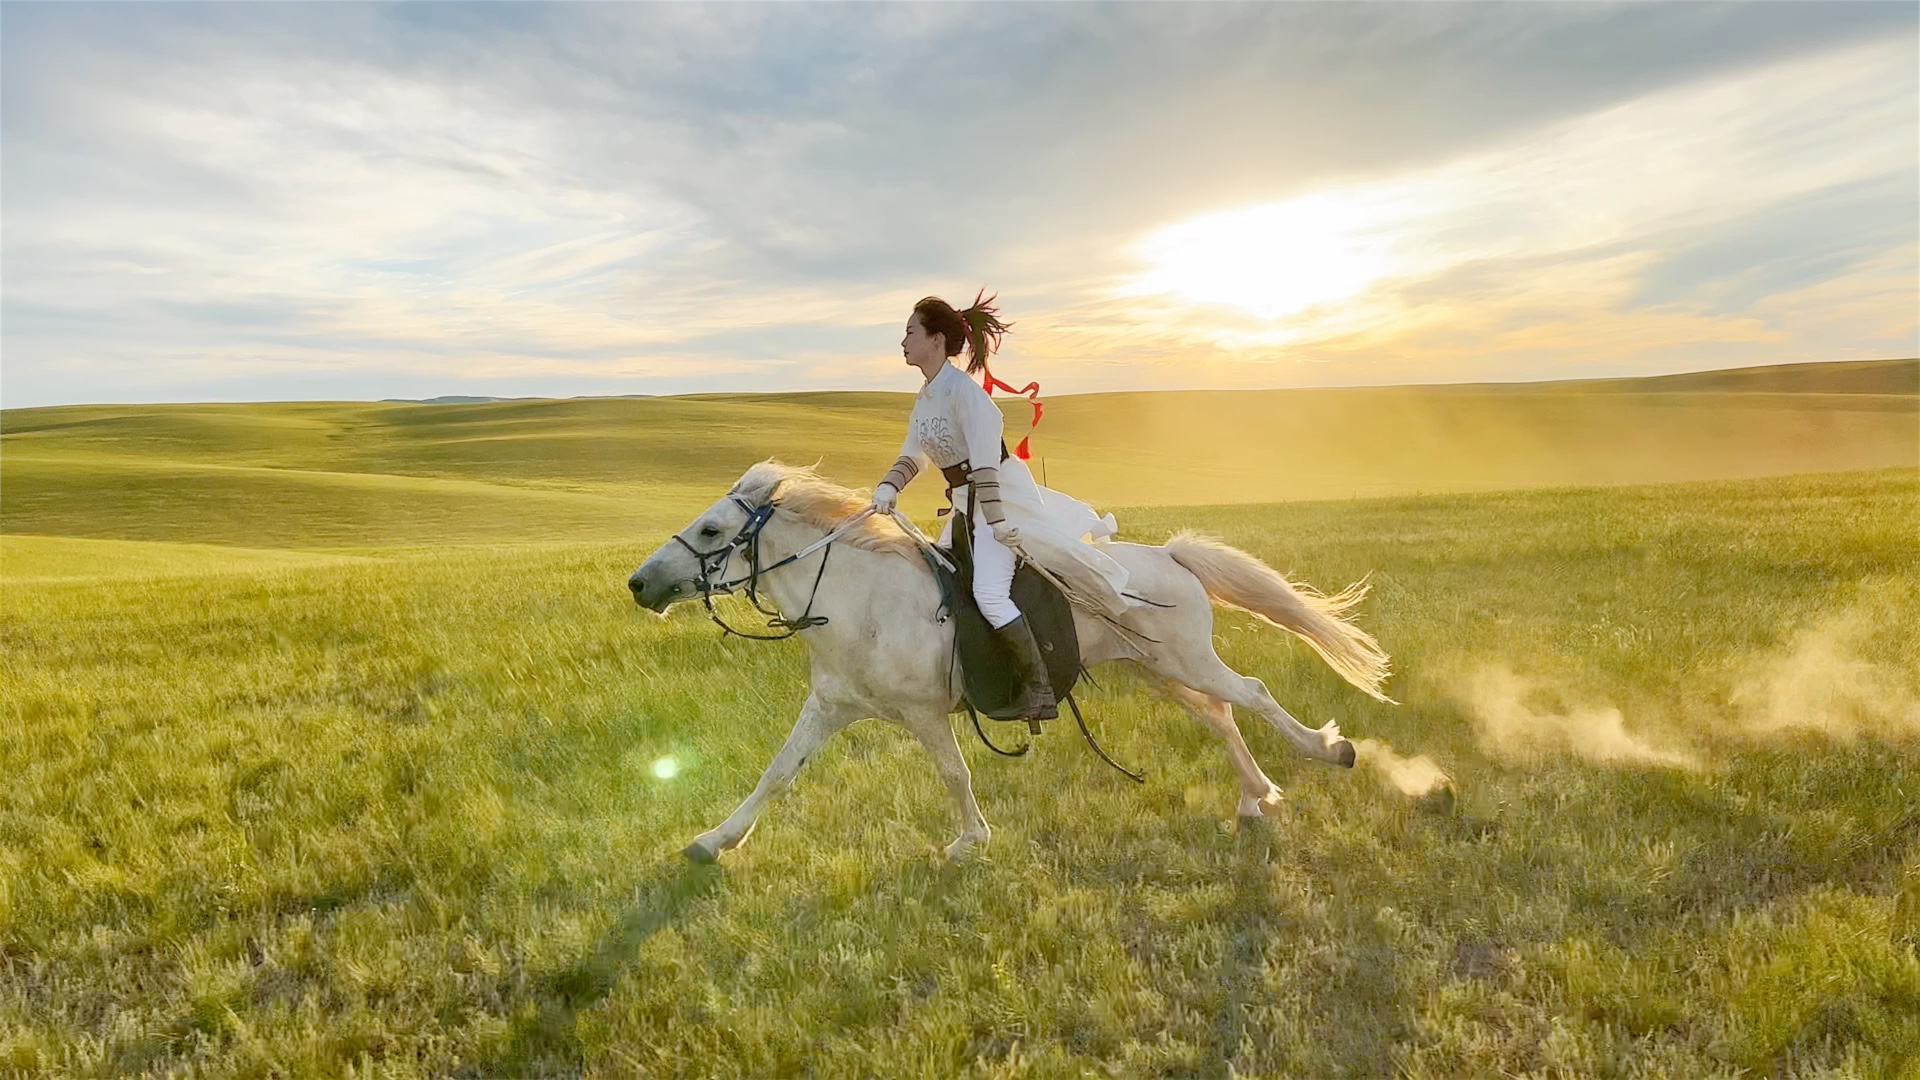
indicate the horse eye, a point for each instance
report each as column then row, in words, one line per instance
column 710, row 531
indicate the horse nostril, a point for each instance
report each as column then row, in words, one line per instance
column 637, row 587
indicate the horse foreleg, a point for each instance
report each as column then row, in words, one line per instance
column 935, row 732
column 1259, row 796
column 819, row 720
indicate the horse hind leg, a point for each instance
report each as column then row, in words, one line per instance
column 1259, row 796
column 1214, row 677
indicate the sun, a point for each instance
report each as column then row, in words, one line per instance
column 1271, row 261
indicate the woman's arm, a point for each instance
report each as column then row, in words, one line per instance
column 888, row 490
column 907, row 466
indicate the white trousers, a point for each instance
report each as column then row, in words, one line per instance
column 993, row 577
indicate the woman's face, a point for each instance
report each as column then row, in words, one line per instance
column 920, row 349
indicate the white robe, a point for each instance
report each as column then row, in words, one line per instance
column 954, row 420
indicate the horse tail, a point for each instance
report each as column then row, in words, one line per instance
column 1237, row 579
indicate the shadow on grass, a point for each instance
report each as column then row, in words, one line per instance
column 1336, row 979
column 545, row 1043
column 1243, row 966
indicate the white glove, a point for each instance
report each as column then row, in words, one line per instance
column 1006, row 534
column 884, row 497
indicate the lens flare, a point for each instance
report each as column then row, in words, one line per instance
column 666, row 768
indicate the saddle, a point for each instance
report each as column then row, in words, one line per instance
column 987, row 680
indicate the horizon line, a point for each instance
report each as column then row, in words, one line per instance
column 479, row 399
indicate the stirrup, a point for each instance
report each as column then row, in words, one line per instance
column 1033, row 722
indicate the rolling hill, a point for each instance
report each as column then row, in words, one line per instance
column 350, row 474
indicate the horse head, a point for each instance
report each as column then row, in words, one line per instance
column 698, row 556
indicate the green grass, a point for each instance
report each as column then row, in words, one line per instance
column 33, row 559
column 356, row 772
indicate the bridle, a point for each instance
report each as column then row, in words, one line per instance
column 747, row 541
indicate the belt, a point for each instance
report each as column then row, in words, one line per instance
column 957, row 475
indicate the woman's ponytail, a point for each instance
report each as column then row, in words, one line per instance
column 978, row 329
column 983, row 330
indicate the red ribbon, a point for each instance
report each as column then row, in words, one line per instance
column 1032, row 393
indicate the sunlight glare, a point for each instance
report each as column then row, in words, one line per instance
column 666, row 768
column 1275, row 260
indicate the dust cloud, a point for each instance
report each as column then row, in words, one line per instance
column 1509, row 725
column 1415, row 777
column 1832, row 678
column 1826, row 683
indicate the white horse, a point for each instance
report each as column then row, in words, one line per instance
column 881, row 652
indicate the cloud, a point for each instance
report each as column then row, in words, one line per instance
column 214, row 195
column 1667, row 218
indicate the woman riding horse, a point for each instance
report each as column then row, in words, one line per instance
column 871, row 620
column 956, row 426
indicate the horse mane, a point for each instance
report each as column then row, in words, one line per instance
column 821, row 503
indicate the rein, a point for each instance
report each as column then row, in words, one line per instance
column 747, row 541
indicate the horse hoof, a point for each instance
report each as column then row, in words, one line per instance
column 963, row 849
column 698, row 853
column 1345, row 755
column 1272, row 804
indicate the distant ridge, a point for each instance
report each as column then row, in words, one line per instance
column 1897, row 376
column 325, row 475
column 450, row 399
column 480, row 399
column 1829, row 377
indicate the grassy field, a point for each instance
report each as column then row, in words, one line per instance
column 330, row 743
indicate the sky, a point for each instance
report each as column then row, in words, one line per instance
column 283, row 201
